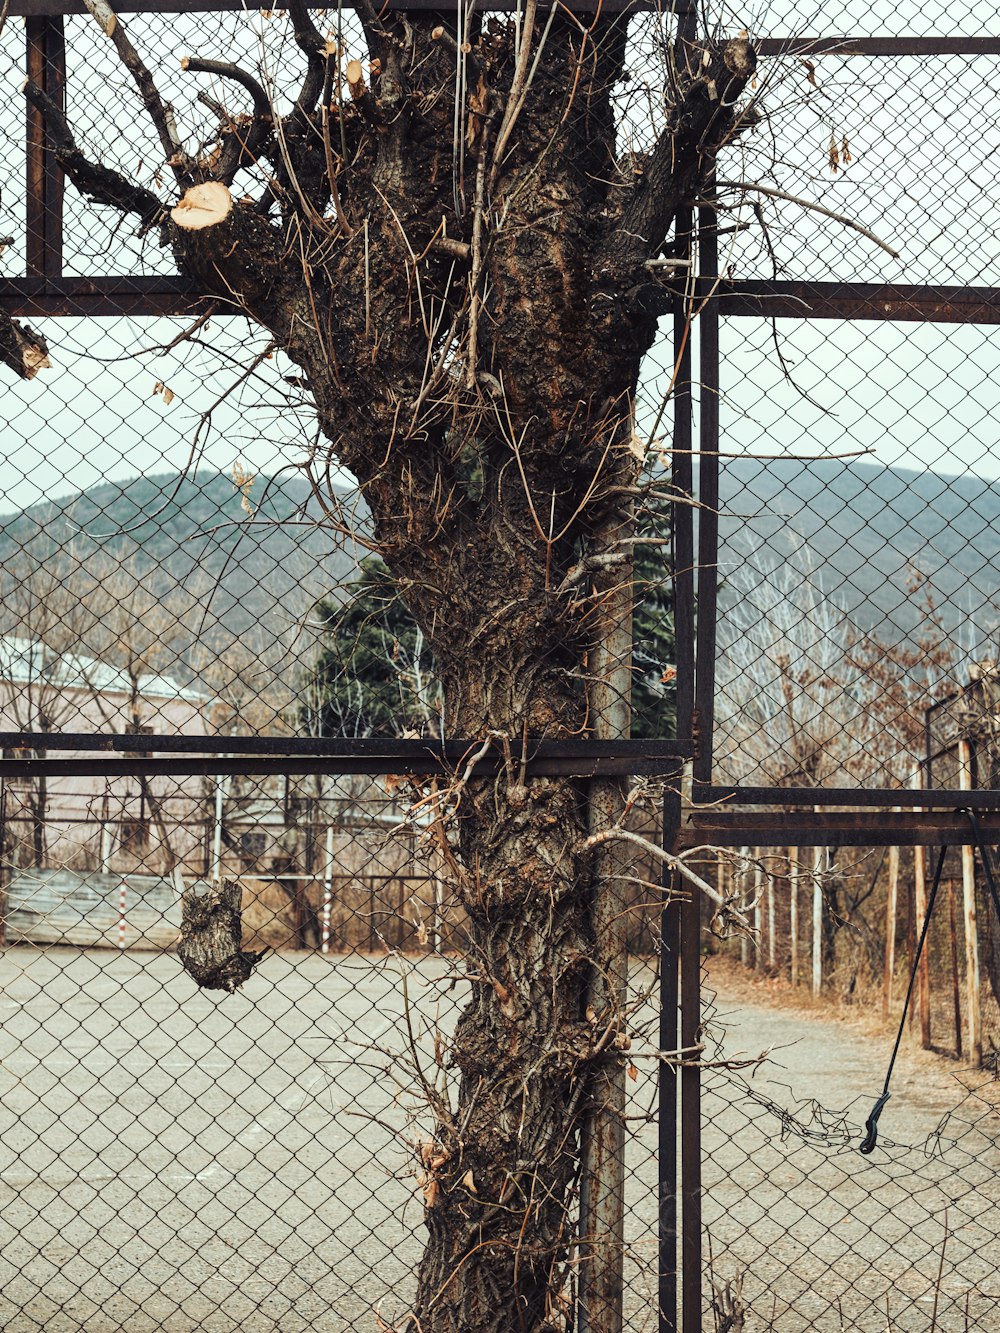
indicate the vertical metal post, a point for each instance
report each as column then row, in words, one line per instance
column 956, row 990
column 46, row 67
column 669, row 1040
column 891, row 909
column 4, row 868
column 602, row 1184
column 690, row 1112
column 682, row 464
column 708, row 492
column 818, row 870
column 923, row 1006
column 682, row 475
column 793, row 914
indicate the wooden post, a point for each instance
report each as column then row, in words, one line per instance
column 923, row 970
column 956, row 990
column 972, row 998
column 891, row 908
column 793, row 911
column 770, row 920
column 817, row 919
column 744, row 938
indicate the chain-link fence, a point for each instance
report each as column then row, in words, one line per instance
column 181, row 562
column 803, row 1232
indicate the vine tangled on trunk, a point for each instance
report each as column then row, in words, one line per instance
column 452, row 244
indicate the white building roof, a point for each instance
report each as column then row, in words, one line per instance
column 27, row 662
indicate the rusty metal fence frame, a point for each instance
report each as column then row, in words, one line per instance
column 45, row 291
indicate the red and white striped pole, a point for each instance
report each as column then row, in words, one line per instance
column 121, row 916
column 327, row 891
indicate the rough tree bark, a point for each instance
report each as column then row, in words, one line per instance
column 210, row 946
column 21, row 348
column 466, row 292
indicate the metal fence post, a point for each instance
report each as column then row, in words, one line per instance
column 670, row 939
column 690, row 1023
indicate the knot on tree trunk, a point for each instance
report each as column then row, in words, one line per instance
column 211, row 938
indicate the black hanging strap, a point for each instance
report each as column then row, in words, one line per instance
column 871, row 1124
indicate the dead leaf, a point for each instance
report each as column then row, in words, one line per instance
column 845, row 152
column 637, row 447
column 834, row 155
column 243, row 480
column 34, row 360
column 165, row 393
column 469, row 1183
column 591, row 1014
column 478, row 106
column 508, row 1005
column 810, row 69
column 632, row 1072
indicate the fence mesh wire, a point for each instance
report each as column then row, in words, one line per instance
column 806, row 1233
column 176, row 1159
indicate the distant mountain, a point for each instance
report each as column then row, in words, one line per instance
column 869, row 529
column 866, row 529
column 251, row 575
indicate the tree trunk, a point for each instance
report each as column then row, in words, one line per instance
column 464, row 290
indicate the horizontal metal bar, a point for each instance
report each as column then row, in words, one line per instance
column 347, row 746
column 27, row 298
column 851, row 828
column 221, row 765
column 33, row 297
column 898, row 302
column 878, row 46
column 910, row 797
column 43, row 8
column 768, row 46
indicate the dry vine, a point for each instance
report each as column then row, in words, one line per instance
column 448, row 242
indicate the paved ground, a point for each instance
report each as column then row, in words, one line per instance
column 824, row 1237
column 176, row 1160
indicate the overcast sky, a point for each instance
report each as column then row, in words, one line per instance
column 908, row 395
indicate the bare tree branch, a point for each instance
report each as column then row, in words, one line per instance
column 21, row 348
column 97, row 182
column 237, row 146
column 842, row 218
column 700, row 121
column 310, row 42
column 160, row 112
